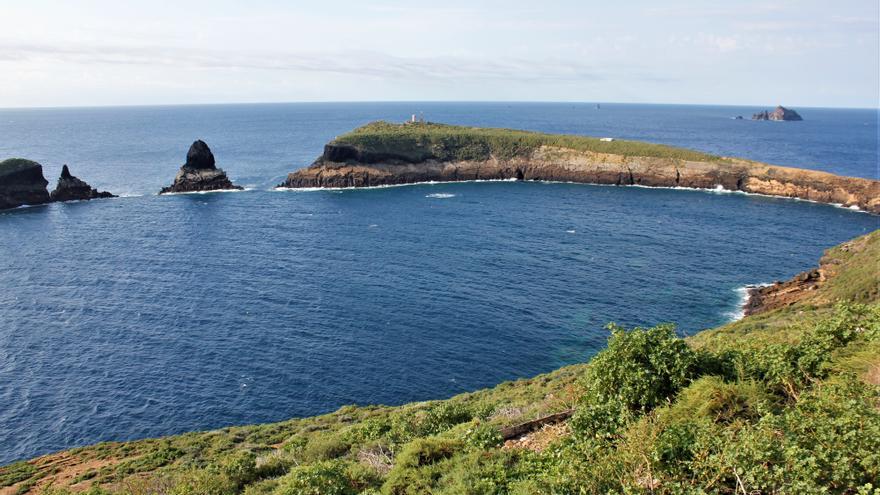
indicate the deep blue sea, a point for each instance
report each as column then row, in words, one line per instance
column 145, row 315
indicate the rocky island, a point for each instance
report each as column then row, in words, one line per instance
column 22, row 183
column 199, row 173
column 779, row 114
column 70, row 188
column 383, row 153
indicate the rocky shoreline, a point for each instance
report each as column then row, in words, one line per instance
column 344, row 165
column 779, row 294
column 807, row 286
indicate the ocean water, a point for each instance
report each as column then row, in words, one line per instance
column 146, row 315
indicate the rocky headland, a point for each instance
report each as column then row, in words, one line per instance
column 382, row 153
column 810, row 287
column 70, row 188
column 22, row 183
column 200, row 173
column 780, row 113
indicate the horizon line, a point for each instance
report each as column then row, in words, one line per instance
column 320, row 102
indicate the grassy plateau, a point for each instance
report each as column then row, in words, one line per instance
column 419, row 141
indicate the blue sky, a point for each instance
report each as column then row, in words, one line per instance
column 96, row 52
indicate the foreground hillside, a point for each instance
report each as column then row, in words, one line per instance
column 784, row 401
column 383, row 153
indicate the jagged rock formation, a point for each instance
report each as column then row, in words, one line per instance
column 71, row 188
column 22, row 183
column 780, row 113
column 384, row 161
column 199, row 173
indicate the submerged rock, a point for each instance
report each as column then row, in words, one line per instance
column 780, row 113
column 22, row 183
column 199, row 173
column 71, row 188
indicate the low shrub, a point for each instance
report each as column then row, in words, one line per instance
column 322, row 478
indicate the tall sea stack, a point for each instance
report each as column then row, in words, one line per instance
column 71, row 188
column 199, row 173
column 22, row 183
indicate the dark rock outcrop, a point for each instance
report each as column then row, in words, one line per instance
column 199, row 173
column 199, row 156
column 22, row 183
column 780, row 113
column 70, row 188
column 343, row 165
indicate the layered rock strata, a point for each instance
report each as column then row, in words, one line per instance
column 343, row 165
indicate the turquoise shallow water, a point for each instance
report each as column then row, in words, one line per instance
column 146, row 315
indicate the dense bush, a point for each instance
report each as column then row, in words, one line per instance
column 640, row 369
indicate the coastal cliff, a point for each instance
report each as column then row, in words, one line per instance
column 200, row 173
column 22, row 183
column 385, row 154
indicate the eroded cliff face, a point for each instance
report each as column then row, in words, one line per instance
column 346, row 166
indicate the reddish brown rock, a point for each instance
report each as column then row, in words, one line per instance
column 345, row 166
column 780, row 113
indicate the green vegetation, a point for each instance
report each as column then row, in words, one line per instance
column 417, row 142
column 12, row 165
column 783, row 402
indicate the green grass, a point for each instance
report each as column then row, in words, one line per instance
column 417, row 142
column 782, row 402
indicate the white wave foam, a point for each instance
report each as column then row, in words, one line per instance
column 440, row 195
column 570, row 231
column 386, row 186
column 742, row 300
column 207, row 192
column 718, row 189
